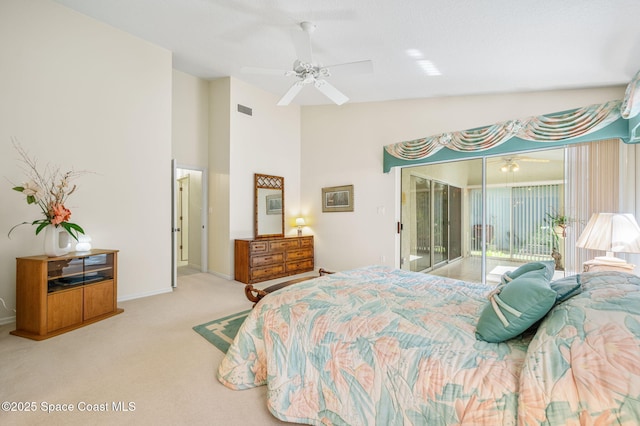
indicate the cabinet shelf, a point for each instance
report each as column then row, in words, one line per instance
column 58, row 294
column 76, row 274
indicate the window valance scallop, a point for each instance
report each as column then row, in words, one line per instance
column 614, row 119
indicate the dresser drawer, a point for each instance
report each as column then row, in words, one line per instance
column 282, row 245
column 257, row 247
column 267, row 273
column 267, row 259
column 300, row 266
column 304, row 253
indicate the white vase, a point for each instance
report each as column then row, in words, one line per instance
column 57, row 241
column 560, row 230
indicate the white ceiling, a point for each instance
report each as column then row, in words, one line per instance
column 479, row 46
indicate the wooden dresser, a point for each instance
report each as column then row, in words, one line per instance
column 266, row 259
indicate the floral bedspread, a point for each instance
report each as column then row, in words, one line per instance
column 583, row 365
column 376, row 346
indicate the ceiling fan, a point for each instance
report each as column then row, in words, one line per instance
column 309, row 72
column 510, row 164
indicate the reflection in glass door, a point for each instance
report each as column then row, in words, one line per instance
column 431, row 223
column 420, row 235
column 455, row 223
column 440, row 223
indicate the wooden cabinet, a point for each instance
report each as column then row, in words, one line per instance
column 262, row 260
column 58, row 294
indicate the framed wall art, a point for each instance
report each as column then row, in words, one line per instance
column 337, row 199
column 274, row 204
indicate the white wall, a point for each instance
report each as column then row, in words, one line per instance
column 343, row 145
column 190, row 120
column 219, row 148
column 79, row 94
column 190, row 148
column 266, row 142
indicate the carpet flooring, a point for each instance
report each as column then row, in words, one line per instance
column 148, row 357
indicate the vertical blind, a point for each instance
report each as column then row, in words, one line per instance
column 517, row 225
column 593, row 186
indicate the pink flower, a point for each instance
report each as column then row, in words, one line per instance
column 259, row 369
column 432, row 378
column 365, row 375
column 387, row 350
column 59, row 213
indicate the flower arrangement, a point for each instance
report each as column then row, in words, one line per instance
column 49, row 190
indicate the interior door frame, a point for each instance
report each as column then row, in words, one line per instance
column 204, row 218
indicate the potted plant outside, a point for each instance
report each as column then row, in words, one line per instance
column 559, row 223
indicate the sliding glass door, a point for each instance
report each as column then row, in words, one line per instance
column 450, row 212
column 420, row 235
column 432, row 222
column 440, row 223
column 455, row 223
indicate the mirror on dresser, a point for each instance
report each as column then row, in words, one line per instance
column 269, row 206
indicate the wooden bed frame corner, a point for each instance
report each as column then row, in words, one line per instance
column 255, row 294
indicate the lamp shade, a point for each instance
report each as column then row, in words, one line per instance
column 300, row 221
column 611, row 232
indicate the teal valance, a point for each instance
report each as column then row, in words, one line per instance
column 613, row 119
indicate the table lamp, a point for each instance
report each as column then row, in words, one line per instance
column 300, row 224
column 613, row 233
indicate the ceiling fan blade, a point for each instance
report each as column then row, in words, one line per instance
column 534, row 160
column 331, row 92
column 359, row 67
column 291, row 93
column 267, row 71
column 302, row 45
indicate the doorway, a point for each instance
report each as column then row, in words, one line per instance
column 189, row 221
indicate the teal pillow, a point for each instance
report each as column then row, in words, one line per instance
column 566, row 287
column 548, row 266
column 521, row 303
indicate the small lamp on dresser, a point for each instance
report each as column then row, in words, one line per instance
column 300, row 224
column 612, row 233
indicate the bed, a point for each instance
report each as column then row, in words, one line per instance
column 380, row 346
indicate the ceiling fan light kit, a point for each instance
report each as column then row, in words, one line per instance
column 308, row 27
column 509, row 166
column 309, row 72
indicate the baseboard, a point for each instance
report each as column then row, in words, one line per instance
column 147, row 294
column 217, row 274
column 7, row 320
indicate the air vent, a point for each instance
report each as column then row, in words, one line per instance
column 245, row 110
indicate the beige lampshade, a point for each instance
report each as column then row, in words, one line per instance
column 300, row 221
column 611, row 232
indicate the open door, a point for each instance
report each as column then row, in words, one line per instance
column 183, row 220
column 174, row 226
column 189, row 219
